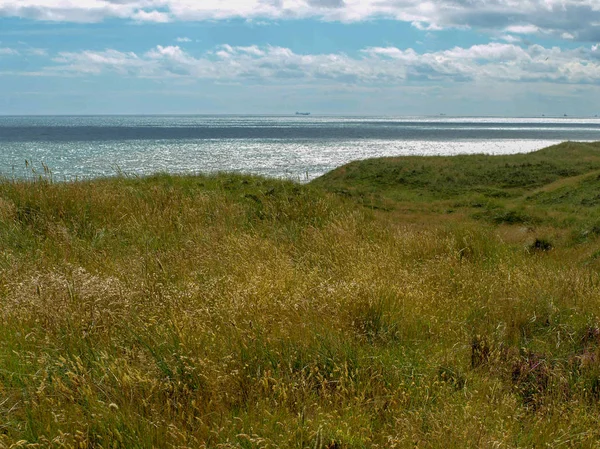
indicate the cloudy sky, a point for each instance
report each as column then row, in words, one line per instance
column 387, row 57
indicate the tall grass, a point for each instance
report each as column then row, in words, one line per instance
column 230, row 311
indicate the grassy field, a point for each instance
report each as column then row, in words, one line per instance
column 393, row 303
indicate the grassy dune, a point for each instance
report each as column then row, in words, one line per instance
column 405, row 302
column 557, row 185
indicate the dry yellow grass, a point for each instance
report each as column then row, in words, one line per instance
column 237, row 312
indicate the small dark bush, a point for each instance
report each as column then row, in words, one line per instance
column 480, row 351
column 542, row 245
column 512, row 217
column 531, row 375
column 590, row 335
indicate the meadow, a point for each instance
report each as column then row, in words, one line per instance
column 393, row 303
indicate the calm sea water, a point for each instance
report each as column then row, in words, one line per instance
column 295, row 147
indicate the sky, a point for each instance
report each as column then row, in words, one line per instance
column 348, row 57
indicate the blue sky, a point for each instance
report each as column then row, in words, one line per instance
column 372, row 57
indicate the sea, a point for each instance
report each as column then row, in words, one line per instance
column 295, row 147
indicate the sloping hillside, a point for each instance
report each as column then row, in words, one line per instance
column 240, row 312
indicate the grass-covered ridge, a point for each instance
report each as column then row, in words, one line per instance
column 235, row 311
column 451, row 176
column 554, row 185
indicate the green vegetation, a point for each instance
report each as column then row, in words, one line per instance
column 557, row 185
column 404, row 302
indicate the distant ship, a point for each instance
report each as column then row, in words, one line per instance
column 302, row 113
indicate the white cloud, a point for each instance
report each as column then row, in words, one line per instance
column 8, row 51
column 577, row 18
column 24, row 49
column 522, row 29
column 492, row 51
column 36, row 52
column 183, row 39
column 89, row 62
column 510, row 38
column 151, row 16
column 376, row 66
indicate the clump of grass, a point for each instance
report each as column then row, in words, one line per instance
column 512, row 217
column 531, row 377
column 481, row 351
column 452, row 376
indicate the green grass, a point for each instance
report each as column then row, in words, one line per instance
column 556, row 185
column 406, row 302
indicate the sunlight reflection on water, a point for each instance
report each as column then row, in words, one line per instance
column 299, row 148
column 299, row 160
